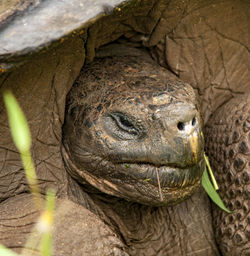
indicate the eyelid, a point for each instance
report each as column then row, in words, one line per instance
column 124, row 123
column 115, row 124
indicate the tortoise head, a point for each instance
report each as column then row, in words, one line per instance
column 132, row 132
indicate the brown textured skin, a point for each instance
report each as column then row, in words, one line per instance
column 205, row 43
column 228, row 146
column 76, row 231
column 163, row 230
column 43, row 83
column 128, row 229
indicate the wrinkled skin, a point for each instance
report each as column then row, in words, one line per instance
column 205, row 45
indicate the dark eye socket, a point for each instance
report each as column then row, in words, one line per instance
column 123, row 122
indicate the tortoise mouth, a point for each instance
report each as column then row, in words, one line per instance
column 170, row 177
column 144, row 183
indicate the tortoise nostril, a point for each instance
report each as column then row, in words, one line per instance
column 184, row 125
column 194, row 121
column 181, row 126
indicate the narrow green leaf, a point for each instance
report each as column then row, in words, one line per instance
column 46, row 244
column 17, row 121
column 211, row 173
column 207, row 185
column 6, row 252
column 50, row 200
column 31, row 177
column 22, row 139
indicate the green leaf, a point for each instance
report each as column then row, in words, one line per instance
column 207, row 185
column 17, row 121
column 50, row 200
column 31, row 177
column 46, row 244
column 22, row 139
column 6, row 252
column 211, row 172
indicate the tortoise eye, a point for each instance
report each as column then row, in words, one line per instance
column 123, row 127
column 124, row 123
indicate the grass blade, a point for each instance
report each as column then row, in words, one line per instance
column 45, row 224
column 21, row 135
column 211, row 172
column 17, row 121
column 207, row 185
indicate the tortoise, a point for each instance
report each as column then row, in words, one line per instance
column 110, row 122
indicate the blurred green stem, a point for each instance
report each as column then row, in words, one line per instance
column 31, row 177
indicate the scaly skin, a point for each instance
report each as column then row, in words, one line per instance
column 228, row 145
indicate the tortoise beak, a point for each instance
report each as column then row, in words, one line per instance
column 194, row 145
